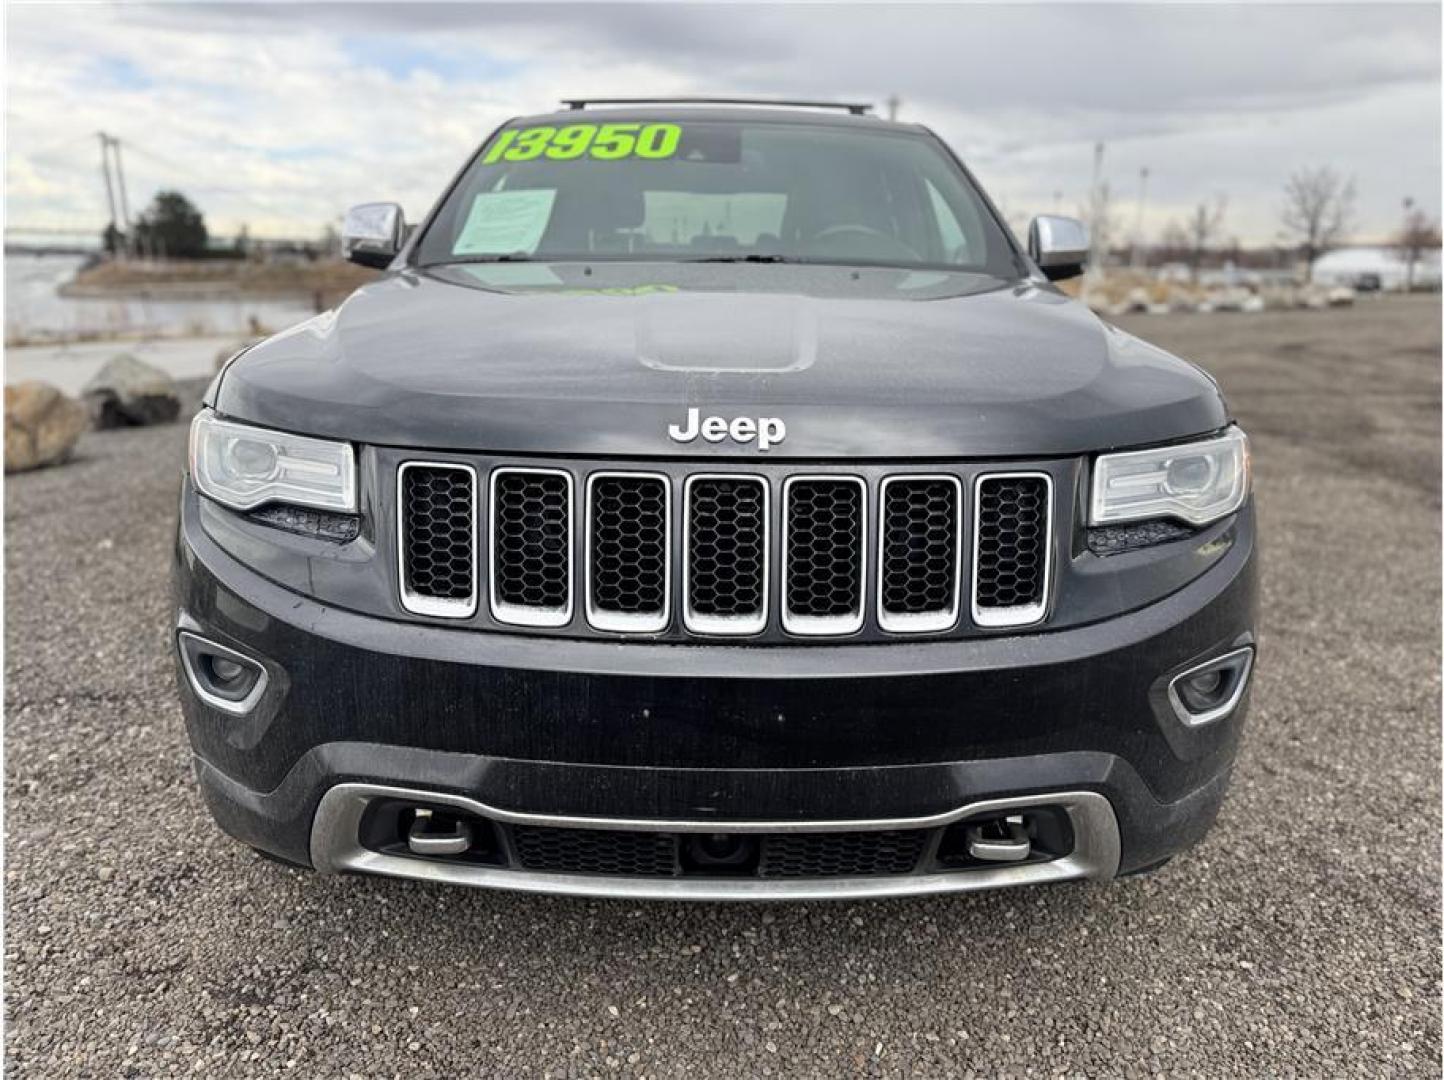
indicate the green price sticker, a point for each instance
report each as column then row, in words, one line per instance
column 607, row 142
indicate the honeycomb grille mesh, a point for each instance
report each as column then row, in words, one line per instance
column 531, row 539
column 1012, row 541
column 779, row 855
column 824, row 548
column 857, row 854
column 919, row 546
column 596, row 851
column 629, row 544
column 437, row 559
column 623, row 533
column 726, row 547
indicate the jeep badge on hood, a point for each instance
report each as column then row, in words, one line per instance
column 767, row 430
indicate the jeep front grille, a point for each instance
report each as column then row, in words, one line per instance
column 629, row 564
column 920, row 547
column 725, row 555
column 437, row 538
column 1011, row 544
column 679, row 555
column 823, row 544
column 531, row 546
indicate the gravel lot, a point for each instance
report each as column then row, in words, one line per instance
column 1301, row 939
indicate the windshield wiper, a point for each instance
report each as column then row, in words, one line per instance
column 515, row 256
column 743, row 259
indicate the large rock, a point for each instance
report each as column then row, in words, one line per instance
column 129, row 392
column 41, row 426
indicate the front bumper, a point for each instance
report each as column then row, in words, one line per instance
column 727, row 739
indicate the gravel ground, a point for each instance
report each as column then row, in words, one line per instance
column 1301, row 939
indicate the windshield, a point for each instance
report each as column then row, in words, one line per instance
column 717, row 191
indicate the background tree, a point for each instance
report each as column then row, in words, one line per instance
column 171, row 226
column 1318, row 208
column 1418, row 235
column 112, row 240
column 1197, row 234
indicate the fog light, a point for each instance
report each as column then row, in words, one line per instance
column 226, row 670
column 1203, row 687
column 1211, row 690
column 222, row 677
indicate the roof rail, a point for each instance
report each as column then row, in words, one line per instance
column 856, row 108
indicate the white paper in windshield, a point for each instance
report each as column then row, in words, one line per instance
column 505, row 222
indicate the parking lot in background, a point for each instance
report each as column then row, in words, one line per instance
column 1301, row 938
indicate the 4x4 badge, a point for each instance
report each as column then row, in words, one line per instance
column 767, row 430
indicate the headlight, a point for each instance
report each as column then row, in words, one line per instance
column 243, row 466
column 1197, row 482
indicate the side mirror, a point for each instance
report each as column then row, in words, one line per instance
column 373, row 233
column 1059, row 245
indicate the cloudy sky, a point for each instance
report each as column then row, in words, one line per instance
column 280, row 116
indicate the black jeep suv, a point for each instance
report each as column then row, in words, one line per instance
column 714, row 501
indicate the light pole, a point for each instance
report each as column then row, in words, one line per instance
column 1136, row 259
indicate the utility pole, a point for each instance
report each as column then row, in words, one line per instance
column 1095, row 214
column 120, row 183
column 1408, row 239
column 1137, row 252
column 893, row 104
column 105, row 174
column 116, row 196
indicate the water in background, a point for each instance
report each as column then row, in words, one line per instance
column 34, row 307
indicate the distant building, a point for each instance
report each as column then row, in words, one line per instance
column 1375, row 267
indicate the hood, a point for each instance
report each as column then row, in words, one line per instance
column 603, row 359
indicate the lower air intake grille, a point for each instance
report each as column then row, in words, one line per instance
column 531, row 548
column 595, row 851
column 726, row 554
column 1010, row 574
column 918, row 572
column 824, row 554
column 627, row 567
column 841, row 854
column 776, row 855
column 438, row 549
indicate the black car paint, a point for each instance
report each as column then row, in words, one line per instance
column 859, row 366
column 671, row 731
column 357, row 577
column 586, row 364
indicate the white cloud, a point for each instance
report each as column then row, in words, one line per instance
column 279, row 116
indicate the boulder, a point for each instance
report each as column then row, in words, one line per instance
column 42, row 426
column 1137, row 301
column 128, row 392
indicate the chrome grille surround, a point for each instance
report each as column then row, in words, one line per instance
column 1022, row 614
column 807, row 625
column 618, row 621
column 919, row 622
column 748, row 596
column 525, row 614
column 730, row 625
column 417, row 602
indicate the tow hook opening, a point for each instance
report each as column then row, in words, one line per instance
column 427, row 836
column 1033, row 834
column 423, row 831
column 720, row 853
